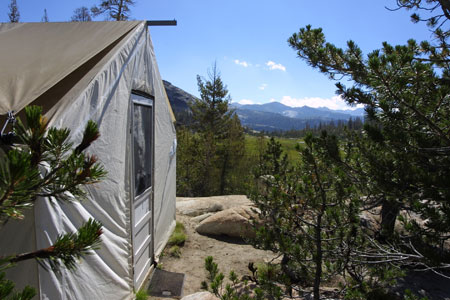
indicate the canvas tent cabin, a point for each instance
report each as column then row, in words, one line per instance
column 106, row 72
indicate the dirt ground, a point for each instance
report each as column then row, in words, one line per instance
column 234, row 254
column 229, row 254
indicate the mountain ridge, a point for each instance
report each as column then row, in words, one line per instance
column 272, row 116
column 302, row 110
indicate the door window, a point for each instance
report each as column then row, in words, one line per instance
column 143, row 141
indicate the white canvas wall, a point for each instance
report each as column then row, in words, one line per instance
column 107, row 273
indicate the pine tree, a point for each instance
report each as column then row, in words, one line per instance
column 14, row 14
column 117, row 10
column 405, row 149
column 24, row 155
column 211, row 113
column 211, row 122
column 212, row 145
column 81, row 14
column 309, row 212
column 230, row 158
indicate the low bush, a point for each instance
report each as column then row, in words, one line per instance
column 141, row 295
column 175, row 251
column 178, row 236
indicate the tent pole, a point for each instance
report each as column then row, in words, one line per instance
column 162, row 23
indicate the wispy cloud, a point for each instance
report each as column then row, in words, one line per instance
column 241, row 63
column 335, row 102
column 246, row 101
column 274, row 66
column 262, row 87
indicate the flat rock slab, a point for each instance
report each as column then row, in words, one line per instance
column 198, row 206
column 233, row 222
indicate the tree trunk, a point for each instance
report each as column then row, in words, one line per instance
column 318, row 259
column 389, row 212
column 207, row 189
column 293, row 278
column 224, row 172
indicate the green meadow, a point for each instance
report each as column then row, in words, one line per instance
column 254, row 143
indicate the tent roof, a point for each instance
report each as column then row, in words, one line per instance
column 36, row 56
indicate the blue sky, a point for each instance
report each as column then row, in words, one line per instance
column 248, row 40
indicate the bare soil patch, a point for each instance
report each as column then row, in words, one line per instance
column 229, row 254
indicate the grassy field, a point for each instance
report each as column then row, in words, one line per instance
column 253, row 144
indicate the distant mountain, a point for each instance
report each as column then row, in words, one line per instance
column 359, row 112
column 277, row 116
column 304, row 112
column 273, row 116
column 268, row 121
column 178, row 98
column 272, row 107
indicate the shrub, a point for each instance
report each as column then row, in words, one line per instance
column 178, row 236
column 141, row 295
column 175, row 251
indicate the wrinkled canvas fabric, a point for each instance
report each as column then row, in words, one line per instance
column 35, row 56
column 103, row 95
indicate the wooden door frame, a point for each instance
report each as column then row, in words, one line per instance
column 132, row 183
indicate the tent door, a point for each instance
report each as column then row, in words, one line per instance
column 142, row 208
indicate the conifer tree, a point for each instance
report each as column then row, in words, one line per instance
column 309, row 212
column 231, row 155
column 212, row 145
column 405, row 148
column 14, row 14
column 117, row 10
column 81, row 14
column 211, row 121
column 37, row 161
column 211, row 112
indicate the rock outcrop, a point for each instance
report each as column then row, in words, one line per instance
column 233, row 222
column 198, row 206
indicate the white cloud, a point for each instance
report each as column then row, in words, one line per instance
column 262, row 87
column 246, row 101
column 274, row 66
column 335, row 102
column 241, row 63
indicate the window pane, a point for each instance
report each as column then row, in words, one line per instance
column 142, row 136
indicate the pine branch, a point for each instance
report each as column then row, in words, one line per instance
column 67, row 170
column 67, row 247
